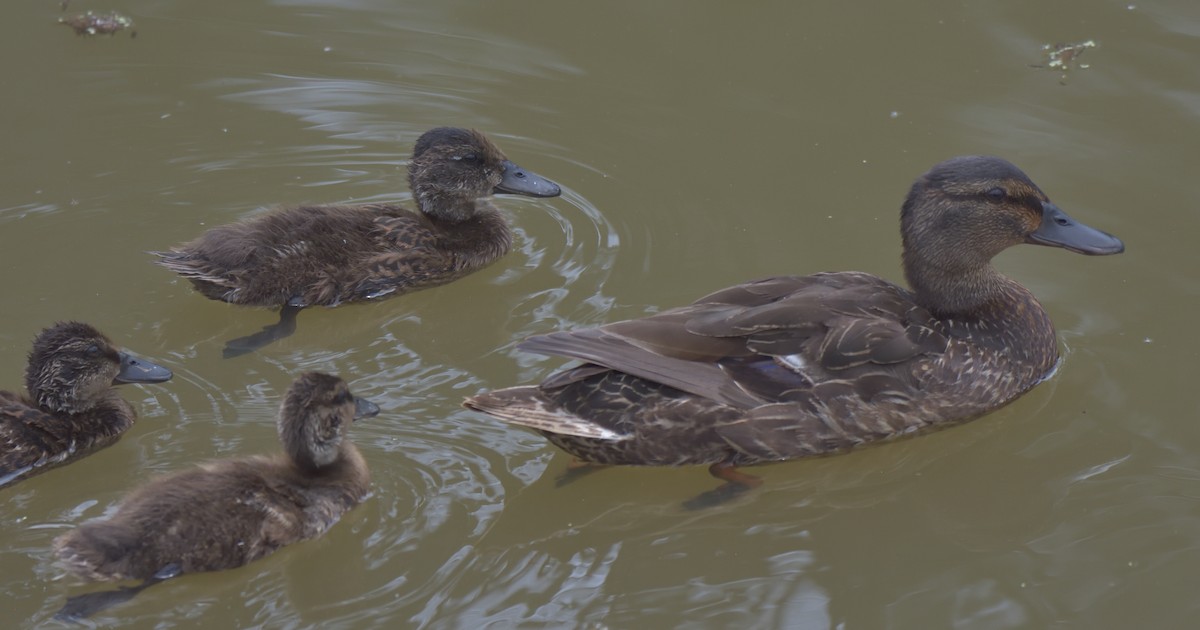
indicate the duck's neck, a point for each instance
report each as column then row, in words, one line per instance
column 957, row 292
column 97, row 423
column 71, row 401
column 348, row 472
column 992, row 310
column 477, row 240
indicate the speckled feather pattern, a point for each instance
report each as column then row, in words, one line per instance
column 873, row 366
column 216, row 516
column 71, row 410
column 327, row 255
column 330, row 254
column 801, row 366
column 223, row 514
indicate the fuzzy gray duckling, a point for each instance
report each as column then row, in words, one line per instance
column 296, row 257
column 71, row 410
column 226, row 513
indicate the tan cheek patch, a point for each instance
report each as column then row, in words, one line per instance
column 1031, row 221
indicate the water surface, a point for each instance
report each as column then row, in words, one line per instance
column 699, row 144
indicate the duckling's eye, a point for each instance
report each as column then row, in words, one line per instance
column 470, row 158
column 93, row 351
column 997, row 193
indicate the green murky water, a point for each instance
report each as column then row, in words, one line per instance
column 699, row 144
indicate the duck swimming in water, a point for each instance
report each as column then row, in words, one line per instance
column 226, row 513
column 72, row 409
column 800, row 366
column 326, row 255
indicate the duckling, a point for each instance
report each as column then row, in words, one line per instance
column 226, row 513
column 71, row 410
column 326, row 255
column 800, row 366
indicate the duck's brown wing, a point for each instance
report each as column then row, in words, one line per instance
column 762, row 342
column 833, row 320
column 409, row 258
column 657, row 348
column 29, row 439
column 299, row 254
column 32, row 440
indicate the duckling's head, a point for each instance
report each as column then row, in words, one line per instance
column 451, row 168
column 72, row 366
column 966, row 210
column 316, row 413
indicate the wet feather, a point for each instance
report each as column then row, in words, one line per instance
column 800, row 366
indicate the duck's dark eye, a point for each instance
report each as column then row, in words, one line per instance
column 470, row 158
column 996, row 193
column 93, row 351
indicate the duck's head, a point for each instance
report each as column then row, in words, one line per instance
column 452, row 167
column 966, row 210
column 316, row 413
column 72, row 365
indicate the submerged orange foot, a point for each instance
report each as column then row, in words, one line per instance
column 736, row 483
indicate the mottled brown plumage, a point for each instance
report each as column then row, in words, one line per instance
column 72, row 409
column 793, row 367
column 226, row 513
column 330, row 254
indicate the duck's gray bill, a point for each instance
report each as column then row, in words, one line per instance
column 519, row 181
column 1060, row 230
column 364, row 408
column 138, row 370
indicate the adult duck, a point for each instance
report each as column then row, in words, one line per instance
column 72, row 409
column 326, row 255
column 793, row 367
column 227, row 513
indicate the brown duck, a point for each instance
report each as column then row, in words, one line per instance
column 793, row 367
column 71, row 410
column 227, row 513
column 329, row 254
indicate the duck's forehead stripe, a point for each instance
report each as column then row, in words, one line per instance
column 1013, row 186
column 493, row 152
column 1024, row 189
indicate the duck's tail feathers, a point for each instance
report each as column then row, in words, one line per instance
column 95, row 551
column 529, row 407
column 183, row 264
column 221, row 285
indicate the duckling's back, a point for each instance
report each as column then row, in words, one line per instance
column 217, row 516
column 326, row 255
column 33, row 441
column 309, row 254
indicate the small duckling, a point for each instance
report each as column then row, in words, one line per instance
column 325, row 255
column 226, row 513
column 71, row 410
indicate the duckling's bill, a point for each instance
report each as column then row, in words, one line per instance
column 519, row 181
column 1059, row 230
column 364, row 408
column 138, row 370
